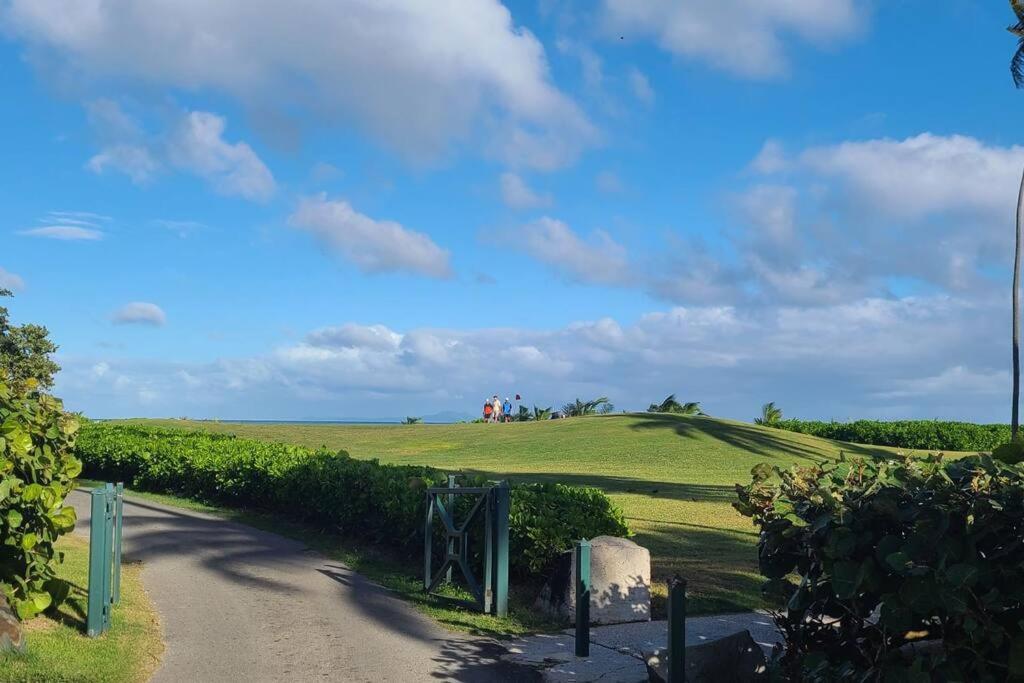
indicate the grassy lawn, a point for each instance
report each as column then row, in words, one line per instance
column 58, row 649
column 673, row 477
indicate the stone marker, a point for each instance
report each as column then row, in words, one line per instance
column 11, row 635
column 732, row 659
column 620, row 579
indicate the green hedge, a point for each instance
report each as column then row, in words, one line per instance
column 925, row 435
column 905, row 570
column 357, row 498
column 37, row 470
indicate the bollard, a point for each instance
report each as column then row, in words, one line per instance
column 502, row 503
column 676, row 629
column 101, row 529
column 118, row 516
column 583, row 598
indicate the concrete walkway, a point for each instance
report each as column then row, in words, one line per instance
column 617, row 652
column 239, row 604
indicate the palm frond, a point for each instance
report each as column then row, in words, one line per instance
column 1017, row 63
column 1018, row 8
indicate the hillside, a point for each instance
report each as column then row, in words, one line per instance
column 673, row 476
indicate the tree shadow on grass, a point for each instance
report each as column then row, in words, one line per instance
column 763, row 441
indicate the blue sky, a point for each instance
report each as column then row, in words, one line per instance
column 343, row 210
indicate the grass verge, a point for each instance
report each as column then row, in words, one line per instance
column 58, row 649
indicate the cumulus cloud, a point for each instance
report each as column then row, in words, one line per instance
column 417, row 75
column 518, row 195
column 891, row 357
column 597, row 260
column 373, row 246
column 11, row 281
column 198, row 146
column 745, row 37
column 194, row 144
column 140, row 313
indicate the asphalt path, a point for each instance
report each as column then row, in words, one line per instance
column 241, row 604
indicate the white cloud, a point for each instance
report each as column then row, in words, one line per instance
column 641, row 87
column 891, row 358
column 744, row 37
column 925, row 174
column 194, row 144
column 64, row 232
column 418, row 75
column 771, row 158
column 599, row 260
column 197, row 145
column 374, row 246
column 140, row 313
column 12, row 281
column 518, row 195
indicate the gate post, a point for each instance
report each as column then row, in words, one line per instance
column 676, row 629
column 101, row 529
column 451, row 510
column 502, row 504
column 582, row 598
column 118, row 519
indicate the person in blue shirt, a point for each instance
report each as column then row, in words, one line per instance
column 506, row 409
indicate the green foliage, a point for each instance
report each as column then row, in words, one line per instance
column 412, row 421
column 25, row 353
column 358, row 498
column 37, row 471
column 671, row 405
column 770, row 415
column 578, row 407
column 925, row 435
column 541, row 413
column 887, row 553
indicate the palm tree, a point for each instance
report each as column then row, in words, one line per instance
column 1017, row 71
column 541, row 413
column 671, row 405
column 770, row 415
column 579, row 407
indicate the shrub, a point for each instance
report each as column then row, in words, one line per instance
column 37, row 470
column 925, row 435
column 908, row 569
column 356, row 498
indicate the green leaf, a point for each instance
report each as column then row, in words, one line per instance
column 14, row 518
column 28, row 541
column 846, row 578
column 899, row 561
column 962, row 575
column 32, row 492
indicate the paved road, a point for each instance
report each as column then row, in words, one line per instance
column 240, row 604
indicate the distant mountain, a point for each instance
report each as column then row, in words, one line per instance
column 447, row 416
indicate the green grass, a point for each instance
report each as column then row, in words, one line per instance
column 59, row 651
column 673, row 476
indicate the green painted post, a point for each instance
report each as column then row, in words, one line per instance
column 451, row 509
column 428, row 533
column 582, row 598
column 108, row 552
column 118, row 523
column 94, row 616
column 502, row 503
column 676, row 630
column 489, row 553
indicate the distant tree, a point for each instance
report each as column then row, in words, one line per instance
column 1017, row 72
column 25, row 351
column 523, row 415
column 770, row 415
column 606, row 409
column 671, row 405
column 412, row 420
column 578, row 407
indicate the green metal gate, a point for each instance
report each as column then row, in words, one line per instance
column 105, row 526
column 492, row 502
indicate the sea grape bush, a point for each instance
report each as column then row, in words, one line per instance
column 353, row 497
column 37, row 471
column 906, row 569
column 925, row 435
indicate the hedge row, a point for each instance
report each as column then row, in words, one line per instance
column 894, row 570
column 932, row 435
column 356, row 498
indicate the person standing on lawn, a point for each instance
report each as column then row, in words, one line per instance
column 496, row 402
column 488, row 410
column 506, row 409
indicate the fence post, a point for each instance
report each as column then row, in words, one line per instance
column 501, row 510
column 450, row 500
column 108, row 553
column 676, row 629
column 428, row 540
column 98, row 511
column 582, row 598
column 118, row 524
